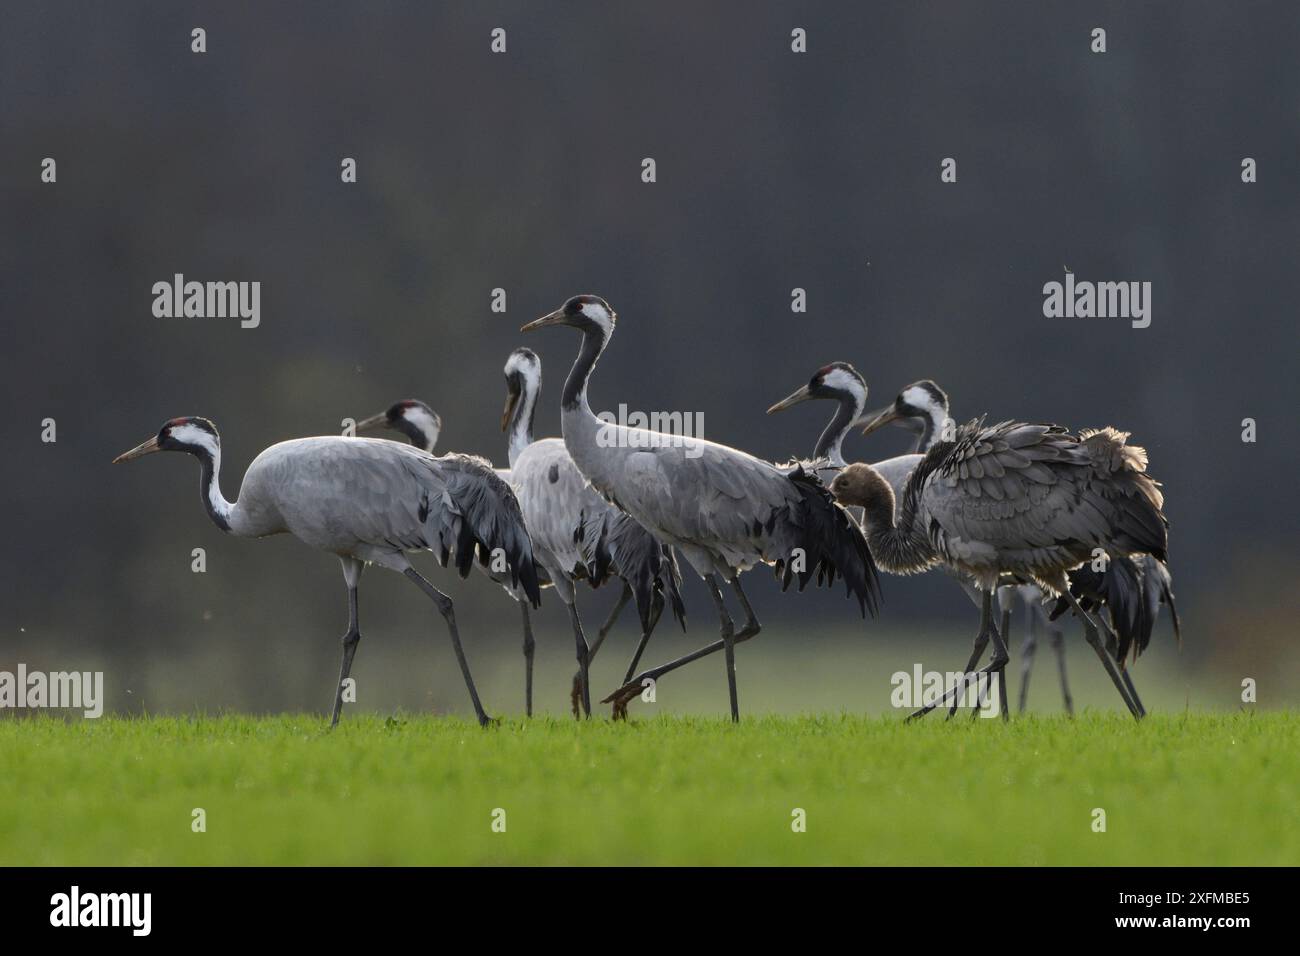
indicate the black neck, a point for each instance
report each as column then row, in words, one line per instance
column 520, row 428
column 210, row 489
column 828, row 445
column 525, row 414
column 594, row 339
column 414, row 434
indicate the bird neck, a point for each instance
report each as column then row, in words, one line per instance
column 521, row 419
column 594, row 340
column 830, row 444
column 214, row 502
column 417, row 436
column 896, row 543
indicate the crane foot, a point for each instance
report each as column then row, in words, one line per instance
column 575, row 696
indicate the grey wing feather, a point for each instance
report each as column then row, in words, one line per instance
column 373, row 499
column 739, row 509
column 1034, row 496
column 482, row 515
column 588, row 536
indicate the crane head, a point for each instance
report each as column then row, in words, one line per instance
column 523, row 371
column 920, row 401
column 836, row 381
column 590, row 313
column 414, row 419
column 861, row 485
column 191, row 434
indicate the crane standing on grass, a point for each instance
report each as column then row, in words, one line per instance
column 577, row 535
column 1032, row 501
column 725, row 510
column 369, row 502
column 1132, row 588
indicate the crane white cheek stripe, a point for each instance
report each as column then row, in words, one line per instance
column 597, row 314
column 942, row 424
column 194, row 435
column 425, row 422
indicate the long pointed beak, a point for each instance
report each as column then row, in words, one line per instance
column 512, row 399
column 553, row 318
column 794, row 398
column 140, row 450
column 878, row 419
column 373, row 423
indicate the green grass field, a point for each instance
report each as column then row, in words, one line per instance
column 1177, row 789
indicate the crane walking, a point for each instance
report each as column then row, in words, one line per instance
column 725, row 510
column 368, row 501
column 1132, row 589
column 577, row 535
column 1028, row 500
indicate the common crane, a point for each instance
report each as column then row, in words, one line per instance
column 725, row 510
column 1132, row 594
column 577, row 535
column 1029, row 500
column 368, row 501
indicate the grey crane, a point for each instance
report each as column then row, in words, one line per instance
column 1029, row 500
column 841, row 383
column 577, row 535
column 414, row 419
column 422, row 426
column 1132, row 594
column 725, row 510
column 368, row 501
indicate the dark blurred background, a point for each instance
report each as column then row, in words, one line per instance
column 522, row 171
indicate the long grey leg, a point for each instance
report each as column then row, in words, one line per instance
column 1027, row 653
column 529, row 647
column 584, row 657
column 977, row 651
column 1002, row 683
column 447, row 610
column 997, row 665
column 1128, row 683
column 728, row 643
column 614, row 612
column 351, row 575
column 652, row 620
column 751, row 628
column 632, row 688
column 623, row 598
column 1094, row 639
column 1124, row 676
column 1058, row 645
